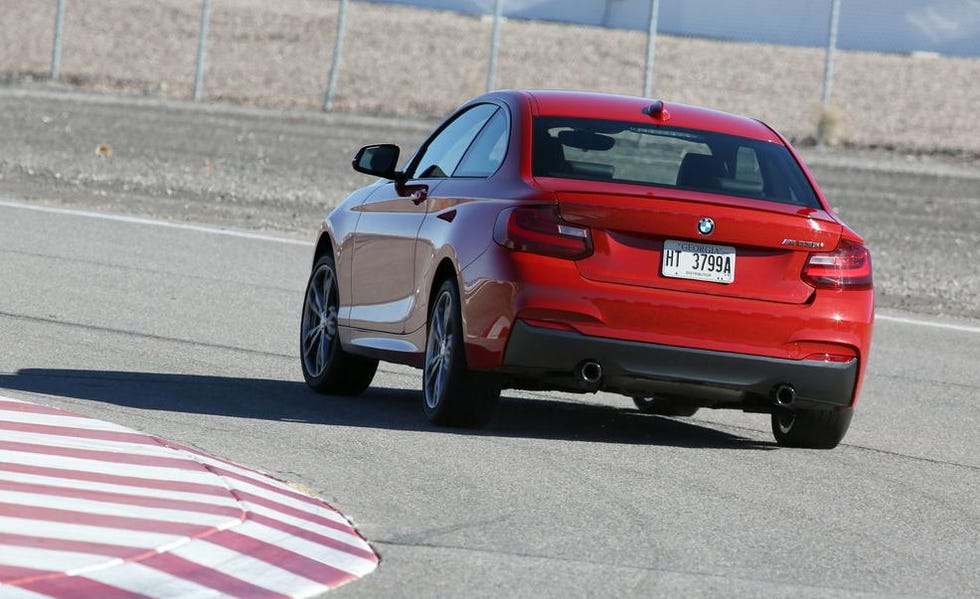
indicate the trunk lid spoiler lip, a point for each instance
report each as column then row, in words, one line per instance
column 570, row 188
column 568, row 200
column 770, row 225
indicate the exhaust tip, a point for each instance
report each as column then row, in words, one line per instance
column 784, row 395
column 590, row 372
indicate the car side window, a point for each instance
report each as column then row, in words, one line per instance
column 487, row 152
column 444, row 152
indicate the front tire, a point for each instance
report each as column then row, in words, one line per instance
column 327, row 368
column 811, row 429
column 453, row 395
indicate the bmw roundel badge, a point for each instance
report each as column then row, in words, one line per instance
column 706, row 226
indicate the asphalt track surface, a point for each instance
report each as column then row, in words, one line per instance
column 190, row 333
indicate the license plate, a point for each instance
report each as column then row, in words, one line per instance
column 698, row 261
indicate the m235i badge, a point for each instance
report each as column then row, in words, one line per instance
column 803, row 244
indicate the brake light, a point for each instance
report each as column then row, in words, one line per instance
column 847, row 267
column 539, row 230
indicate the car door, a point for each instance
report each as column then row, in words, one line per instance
column 383, row 282
column 468, row 183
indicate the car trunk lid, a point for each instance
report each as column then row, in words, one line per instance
column 768, row 243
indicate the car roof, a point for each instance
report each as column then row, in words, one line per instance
column 630, row 108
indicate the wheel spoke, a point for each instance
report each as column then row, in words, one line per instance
column 313, row 302
column 443, row 373
column 316, row 287
column 433, row 367
column 447, row 314
column 312, row 338
column 321, row 355
column 437, row 393
column 437, row 327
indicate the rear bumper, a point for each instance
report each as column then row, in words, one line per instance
column 707, row 378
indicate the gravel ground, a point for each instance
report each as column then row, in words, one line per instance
column 281, row 170
column 409, row 61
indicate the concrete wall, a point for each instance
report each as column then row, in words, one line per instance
column 949, row 27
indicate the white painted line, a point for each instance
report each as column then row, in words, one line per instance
column 109, row 507
column 325, row 531
column 263, row 551
column 238, row 485
column 286, row 240
column 34, row 557
column 137, row 578
column 65, row 439
column 154, row 223
column 29, row 458
column 926, row 323
column 12, row 592
column 348, row 562
column 20, row 477
column 90, row 533
column 243, row 566
column 70, row 421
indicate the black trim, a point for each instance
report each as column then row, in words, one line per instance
column 420, row 152
column 708, row 378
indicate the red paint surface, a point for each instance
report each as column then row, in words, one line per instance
column 618, row 291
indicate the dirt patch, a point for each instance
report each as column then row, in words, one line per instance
column 401, row 60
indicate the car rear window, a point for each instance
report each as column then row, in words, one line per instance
column 627, row 152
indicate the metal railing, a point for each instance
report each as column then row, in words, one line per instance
column 498, row 18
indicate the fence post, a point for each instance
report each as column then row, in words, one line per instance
column 335, row 63
column 651, row 47
column 59, row 29
column 202, row 43
column 494, row 44
column 828, row 65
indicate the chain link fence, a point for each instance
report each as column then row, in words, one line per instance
column 493, row 53
column 367, row 57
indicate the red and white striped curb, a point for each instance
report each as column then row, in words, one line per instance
column 93, row 509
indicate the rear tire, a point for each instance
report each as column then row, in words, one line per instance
column 453, row 395
column 811, row 429
column 664, row 407
column 327, row 368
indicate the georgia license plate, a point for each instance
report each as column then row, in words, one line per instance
column 698, row 261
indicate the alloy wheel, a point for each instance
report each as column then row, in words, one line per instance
column 319, row 327
column 439, row 350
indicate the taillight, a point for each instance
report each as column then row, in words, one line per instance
column 847, row 267
column 539, row 230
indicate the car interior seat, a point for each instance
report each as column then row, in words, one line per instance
column 548, row 154
column 700, row 171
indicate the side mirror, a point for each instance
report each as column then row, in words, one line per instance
column 379, row 160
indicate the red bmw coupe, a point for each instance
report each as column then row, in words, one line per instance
column 676, row 255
